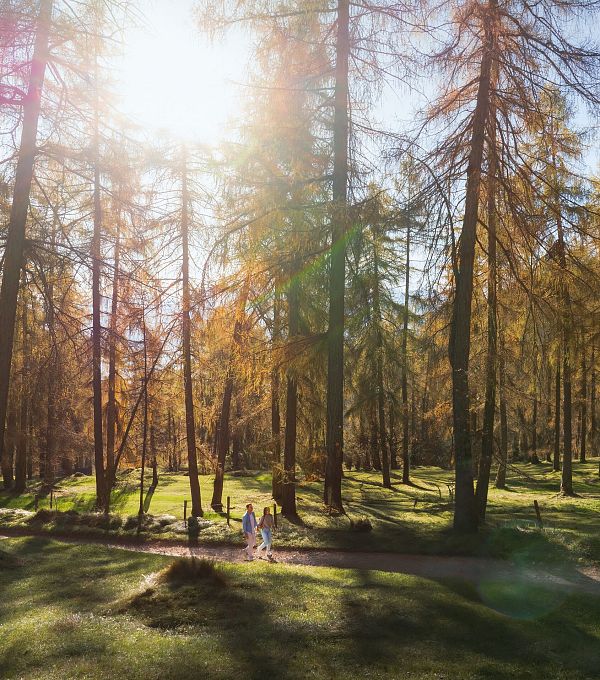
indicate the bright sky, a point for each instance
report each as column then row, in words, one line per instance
column 170, row 78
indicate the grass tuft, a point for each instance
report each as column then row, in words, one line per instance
column 190, row 570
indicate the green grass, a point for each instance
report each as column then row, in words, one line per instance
column 88, row 612
column 413, row 518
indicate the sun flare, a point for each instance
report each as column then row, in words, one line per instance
column 171, row 79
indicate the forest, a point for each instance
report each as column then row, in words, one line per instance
column 369, row 300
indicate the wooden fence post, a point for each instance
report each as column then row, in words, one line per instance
column 228, row 511
column 538, row 514
column 36, row 501
column 185, row 513
column 51, row 498
column 275, row 514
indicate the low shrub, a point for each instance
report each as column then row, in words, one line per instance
column 361, row 525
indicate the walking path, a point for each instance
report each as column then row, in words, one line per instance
column 471, row 569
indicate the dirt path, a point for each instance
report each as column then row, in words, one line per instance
column 471, row 569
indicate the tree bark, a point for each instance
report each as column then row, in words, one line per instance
column 335, row 334
column 145, row 417
column 190, row 428
column 277, row 476
column 385, row 461
column 404, row 379
column 22, row 440
column 15, row 239
column 466, row 517
column 583, row 436
column 557, row 407
column 111, row 406
column 223, row 432
column 489, row 409
column 501, row 472
column 291, row 411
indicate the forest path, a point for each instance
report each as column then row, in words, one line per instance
column 471, row 569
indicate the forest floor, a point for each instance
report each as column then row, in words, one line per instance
column 412, row 518
column 89, row 611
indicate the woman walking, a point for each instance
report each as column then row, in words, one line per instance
column 266, row 524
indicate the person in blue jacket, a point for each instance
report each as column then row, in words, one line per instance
column 249, row 524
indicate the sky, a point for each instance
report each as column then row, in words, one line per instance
column 170, row 78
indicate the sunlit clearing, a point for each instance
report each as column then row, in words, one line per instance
column 172, row 79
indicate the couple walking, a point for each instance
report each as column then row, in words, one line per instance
column 249, row 527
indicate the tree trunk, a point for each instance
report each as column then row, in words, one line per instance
column 534, row 428
column 277, row 476
column 291, row 411
column 489, row 409
column 404, row 379
column 223, row 432
column 593, row 432
column 111, row 406
column 154, row 456
column 466, row 516
column 237, row 437
column 385, row 461
column 335, row 334
column 501, row 472
column 9, row 449
column 583, row 436
column 190, row 428
column 22, row 441
column 15, row 238
column 557, row 407
column 145, row 419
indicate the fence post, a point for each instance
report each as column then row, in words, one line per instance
column 185, row 513
column 275, row 514
column 538, row 514
column 51, row 498
column 228, row 511
column 36, row 500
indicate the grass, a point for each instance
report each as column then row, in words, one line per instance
column 88, row 612
column 414, row 518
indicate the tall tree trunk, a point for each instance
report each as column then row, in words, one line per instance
column 52, row 373
column 236, row 446
column 566, row 485
column 583, row 436
column 404, row 379
column 15, row 239
column 145, row 412
column 489, row 409
column 223, row 432
column 9, row 448
column 501, row 472
column 96, row 311
column 277, row 476
column 385, row 462
column 22, row 441
column 291, row 411
column 593, row 426
column 153, row 454
column 111, row 406
column 374, row 441
column 393, row 444
column 190, row 427
column 335, row 334
column 466, row 516
column 534, row 428
column 557, row 407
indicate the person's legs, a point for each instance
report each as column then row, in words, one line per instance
column 249, row 545
column 266, row 534
column 265, row 544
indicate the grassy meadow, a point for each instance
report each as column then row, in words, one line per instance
column 84, row 611
column 415, row 518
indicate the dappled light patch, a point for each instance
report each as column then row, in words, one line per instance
column 520, row 599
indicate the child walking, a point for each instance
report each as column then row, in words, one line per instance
column 266, row 524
